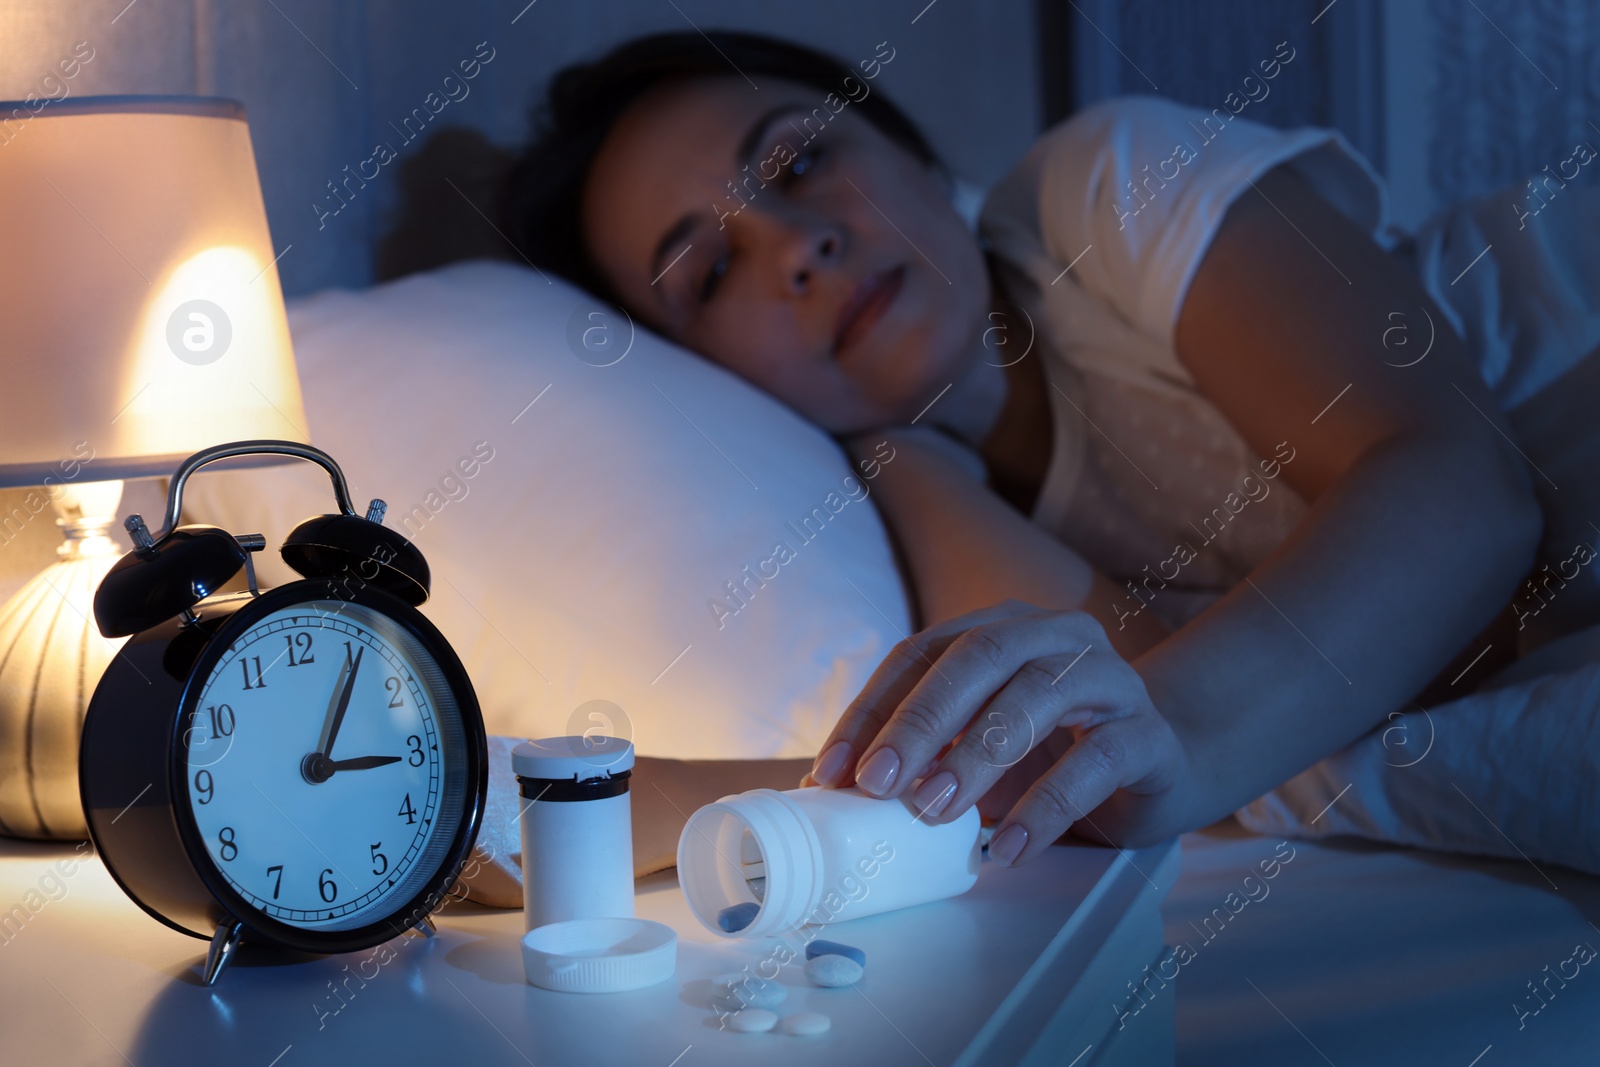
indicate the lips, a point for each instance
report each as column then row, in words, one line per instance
column 871, row 298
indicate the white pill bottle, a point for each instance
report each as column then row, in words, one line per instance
column 819, row 855
column 577, row 828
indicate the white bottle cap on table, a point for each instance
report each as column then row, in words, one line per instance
column 600, row 955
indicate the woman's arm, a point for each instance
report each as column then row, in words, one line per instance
column 1422, row 521
column 965, row 548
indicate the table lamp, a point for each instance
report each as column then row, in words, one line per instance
column 142, row 321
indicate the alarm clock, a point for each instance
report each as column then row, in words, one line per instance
column 303, row 767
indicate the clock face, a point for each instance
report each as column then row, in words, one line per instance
column 317, row 767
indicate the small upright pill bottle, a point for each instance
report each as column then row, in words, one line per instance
column 577, row 828
column 818, row 855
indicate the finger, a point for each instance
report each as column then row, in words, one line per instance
column 1043, row 697
column 899, row 672
column 948, row 698
column 1117, row 753
column 998, row 800
column 808, row 781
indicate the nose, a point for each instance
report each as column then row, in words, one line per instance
column 825, row 247
column 805, row 244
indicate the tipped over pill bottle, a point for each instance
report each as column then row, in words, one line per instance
column 767, row 862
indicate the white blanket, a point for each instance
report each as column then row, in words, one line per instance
column 1510, row 771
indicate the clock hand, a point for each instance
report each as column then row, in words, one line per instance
column 358, row 763
column 330, row 726
column 316, row 767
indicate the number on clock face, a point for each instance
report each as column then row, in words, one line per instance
column 314, row 764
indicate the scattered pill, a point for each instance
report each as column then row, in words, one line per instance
column 736, row 917
column 834, row 948
column 806, row 1023
column 736, row 991
column 833, row 971
column 753, row 1021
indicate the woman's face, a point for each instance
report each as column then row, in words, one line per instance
column 798, row 247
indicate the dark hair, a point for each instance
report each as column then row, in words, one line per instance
column 541, row 200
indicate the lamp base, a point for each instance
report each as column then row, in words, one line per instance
column 51, row 659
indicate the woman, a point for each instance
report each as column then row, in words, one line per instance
column 1324, row 520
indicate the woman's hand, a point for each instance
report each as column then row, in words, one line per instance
column 963, row 703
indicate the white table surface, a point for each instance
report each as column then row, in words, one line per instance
column 90, row 979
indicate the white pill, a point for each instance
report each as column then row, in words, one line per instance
column 806, row 1023
column 833, row 970
column 753, row 1021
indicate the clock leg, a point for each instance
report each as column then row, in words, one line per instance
column 425, row 924
column 223, row 944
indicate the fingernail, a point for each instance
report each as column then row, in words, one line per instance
column 877, row 774
column 933, row 795
column 1008, row 844
column 831, row 764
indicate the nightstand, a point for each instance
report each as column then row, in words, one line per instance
column 1033, row 965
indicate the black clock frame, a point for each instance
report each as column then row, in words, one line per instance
column 132, row 771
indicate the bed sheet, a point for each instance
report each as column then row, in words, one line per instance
column 1362, row 953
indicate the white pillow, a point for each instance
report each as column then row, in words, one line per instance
column 580, row 546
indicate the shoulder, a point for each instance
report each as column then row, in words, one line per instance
column 1080, row 154
column 1145, row 182
column 1096, row 140
column 1117, row 122
column 1112, row 158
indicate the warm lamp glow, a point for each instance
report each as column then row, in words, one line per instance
column 220, row 315
column 139, row 291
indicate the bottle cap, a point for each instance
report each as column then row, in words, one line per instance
column 599, row 955
column 575, row 758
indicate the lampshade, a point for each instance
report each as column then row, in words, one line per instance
column 139, row 300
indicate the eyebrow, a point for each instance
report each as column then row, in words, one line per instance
column 747, row 147
column 752, row 139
